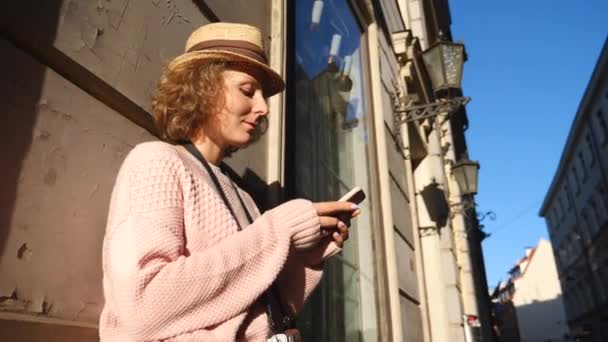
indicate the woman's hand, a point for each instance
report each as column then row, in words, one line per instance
column 335, row 219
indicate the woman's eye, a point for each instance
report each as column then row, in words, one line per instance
column 248, row 93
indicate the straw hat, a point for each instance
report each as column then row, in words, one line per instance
column 231, row 42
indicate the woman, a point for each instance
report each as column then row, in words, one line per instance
column 187, row 255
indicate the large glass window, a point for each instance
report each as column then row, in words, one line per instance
column 328, row 155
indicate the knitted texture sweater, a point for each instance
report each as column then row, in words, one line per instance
column 175, row 266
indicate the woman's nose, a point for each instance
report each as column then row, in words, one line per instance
column 260, row 105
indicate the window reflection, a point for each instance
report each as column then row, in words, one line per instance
column 331, row 157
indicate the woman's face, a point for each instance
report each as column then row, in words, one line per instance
column 243, row 107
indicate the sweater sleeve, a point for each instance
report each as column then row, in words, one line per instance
column 302, row 274
column 159, row 289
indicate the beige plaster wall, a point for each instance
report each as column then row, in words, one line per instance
column 70, row 152
column 61, row 147
column 538, row 298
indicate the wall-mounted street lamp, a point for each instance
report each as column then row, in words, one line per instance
column 443, row 62
column 466, row 173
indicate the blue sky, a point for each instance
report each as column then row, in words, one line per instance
column 529, row 64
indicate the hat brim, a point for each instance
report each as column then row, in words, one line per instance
column 272, row 83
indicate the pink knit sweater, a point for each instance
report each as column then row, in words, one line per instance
column 175, row 266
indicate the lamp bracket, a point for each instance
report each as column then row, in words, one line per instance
column 404, row 114
column 409, row 113
column 461, row 207
column 488, row 214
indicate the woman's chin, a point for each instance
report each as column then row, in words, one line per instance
column 243, row 141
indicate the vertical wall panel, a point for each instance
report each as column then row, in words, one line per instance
column 388, row 74
column 396, row 163
column 408, row 278
column 392, row 15
column 51, row 252
column 401, row 213
column 411, row 320
column 252, row 12
column 125, row 43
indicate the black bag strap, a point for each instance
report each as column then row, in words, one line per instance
column 277, row 319
column 196, row 153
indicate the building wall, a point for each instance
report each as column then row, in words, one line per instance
column 538, row 299
column 403, row 230
column 51, row 263
column 76, row 90
column 508, row 331
column 435, row 144
column 576, row 211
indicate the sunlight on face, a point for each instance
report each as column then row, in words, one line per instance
column 244, row 105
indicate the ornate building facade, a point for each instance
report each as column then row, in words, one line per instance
column 576, row 211
column 412, row 270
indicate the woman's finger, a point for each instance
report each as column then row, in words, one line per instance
column 346, row 219
column 341, row 227
column 343, row 230
column 338, row 239
column 328, row 222
column 334, row 208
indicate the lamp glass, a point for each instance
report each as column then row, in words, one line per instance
column 466, row 174
column 444, row 62
column 452, row 63
column 433, row 65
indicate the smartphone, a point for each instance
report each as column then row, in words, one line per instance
column 356, row 195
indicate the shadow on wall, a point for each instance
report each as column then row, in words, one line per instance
column 539, row 321
column 436, row 203
column 543, row 321
column 21, row 85
column 505, row 317
column 20, row 89
column 265, row 196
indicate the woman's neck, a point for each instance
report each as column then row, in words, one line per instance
column 211, row 150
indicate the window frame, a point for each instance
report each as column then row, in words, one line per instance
column 603, row 126
column 590, row 149
column 576, row 181
column 581, row 161
column 382, row 301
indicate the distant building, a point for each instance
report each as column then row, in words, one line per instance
column 576, row 212
column 529, row 305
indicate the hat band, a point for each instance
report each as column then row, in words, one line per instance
column 237, row 46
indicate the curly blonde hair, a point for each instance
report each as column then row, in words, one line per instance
column 189, row 95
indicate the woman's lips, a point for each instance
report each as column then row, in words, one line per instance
column 253, row 125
